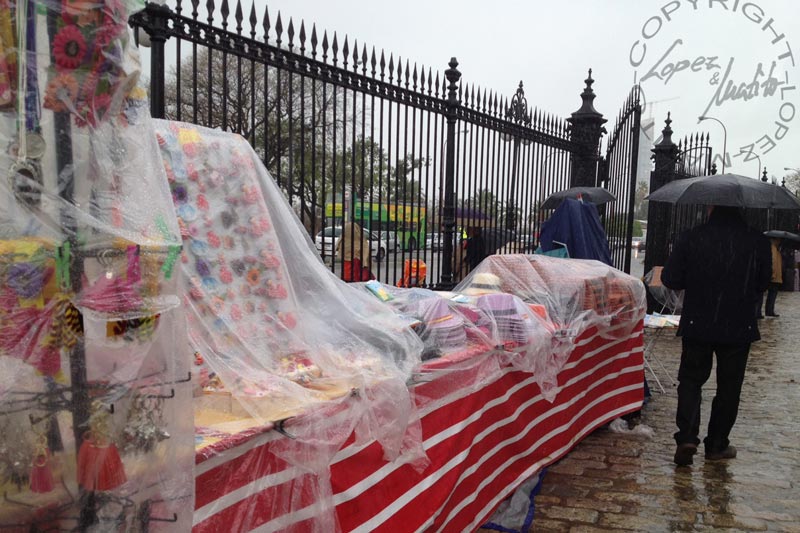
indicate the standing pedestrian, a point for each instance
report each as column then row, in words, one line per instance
column 777, row 278
column 721, row 266
column 354, row 251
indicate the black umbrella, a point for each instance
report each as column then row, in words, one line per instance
column 725, row 189
column 596, row 195
column 778, row 234
column 790, row 240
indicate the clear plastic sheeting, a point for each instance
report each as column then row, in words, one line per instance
column 94, row 365
column 668, row 299
column 276, row 334
column 558, row 300
column 572, row 294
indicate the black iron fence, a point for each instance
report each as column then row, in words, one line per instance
column 416, row 156
column 618, row 175
column 692, row 157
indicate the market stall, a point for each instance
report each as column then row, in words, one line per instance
column 482, row 442
column 365, row 401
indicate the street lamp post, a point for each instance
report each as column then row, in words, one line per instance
column 758, row 176
column 541, row 178
column 701, row 118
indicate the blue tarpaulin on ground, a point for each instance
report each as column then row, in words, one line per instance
column 577, row 225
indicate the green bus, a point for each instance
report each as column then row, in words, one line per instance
column 407, row 221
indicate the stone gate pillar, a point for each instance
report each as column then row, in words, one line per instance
column 586, row 129
column 665, row 155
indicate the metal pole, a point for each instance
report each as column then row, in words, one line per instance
column 453, row 75
column 155, row 24
column 724, row 138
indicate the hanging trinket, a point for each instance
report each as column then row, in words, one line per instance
column 41, row 476
column 99, row 464
column 145, row 426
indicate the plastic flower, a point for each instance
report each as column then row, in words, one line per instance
column 253, row 276
column 69, row 47
column 61, row 93
column 81, row 12
column 94, row 111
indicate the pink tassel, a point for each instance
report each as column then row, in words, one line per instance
column 41, row 474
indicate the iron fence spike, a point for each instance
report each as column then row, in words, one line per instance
column 239, row 16
column 278, row 29
column 290, row 33
column 345, row 51
column 364, row 59
column 210, row 10
column 430, row 78
column 335, row 48
column 224, row 11
column 253, row 20
column 265, row 24
column 302, row 37
column 314, row 39
column 399, row 70
column 195, row 4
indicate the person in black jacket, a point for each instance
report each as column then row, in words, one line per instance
column 476, row 247
column 722, row 266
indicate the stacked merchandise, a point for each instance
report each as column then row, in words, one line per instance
column 94, row 376
column 573, row 294
column 511, row 327
column 453, row 329
column 560, row 299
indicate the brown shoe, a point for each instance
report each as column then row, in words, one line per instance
column 727, row 453
column 684, row 453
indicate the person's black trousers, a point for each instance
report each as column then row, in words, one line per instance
column 772, row 295
column 696, row 362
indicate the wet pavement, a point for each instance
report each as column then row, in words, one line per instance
column 617, row 481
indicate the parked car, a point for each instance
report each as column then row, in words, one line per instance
column 433, row 241
column 327, row 239
column 389, row 237
column 638, row 243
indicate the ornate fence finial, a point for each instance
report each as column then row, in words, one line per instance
column 517, row 111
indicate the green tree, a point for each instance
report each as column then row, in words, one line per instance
column 640, row 204
column 296, row 127
column 792, row 182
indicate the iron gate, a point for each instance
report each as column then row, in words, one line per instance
column 618, row 175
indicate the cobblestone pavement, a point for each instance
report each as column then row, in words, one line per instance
column 615, row 481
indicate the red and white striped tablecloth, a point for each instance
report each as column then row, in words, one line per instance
column 482, row 443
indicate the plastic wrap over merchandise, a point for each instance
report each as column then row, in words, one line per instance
column 273, row 328
column 95, row 396
column 460, row 339
column 573, row 294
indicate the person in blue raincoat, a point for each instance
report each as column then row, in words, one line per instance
column 721, row 266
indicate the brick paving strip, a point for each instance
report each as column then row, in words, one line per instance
column 613, row 481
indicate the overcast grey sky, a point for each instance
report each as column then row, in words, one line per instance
column 550, row 44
